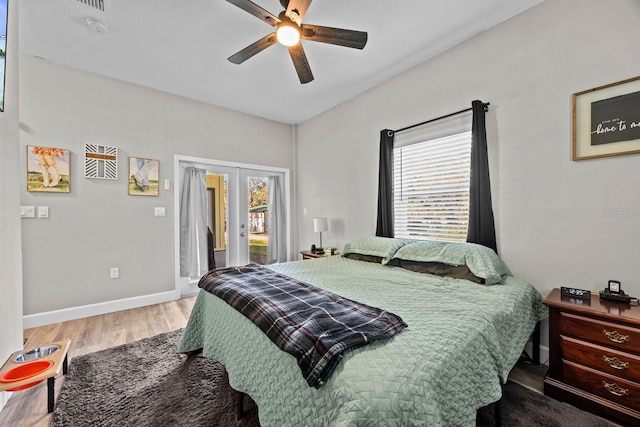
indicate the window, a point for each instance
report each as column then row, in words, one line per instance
column 431, row 187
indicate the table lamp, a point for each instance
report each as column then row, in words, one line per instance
column 320, row 225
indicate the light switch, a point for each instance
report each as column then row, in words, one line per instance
column 167, row 184
column 43, row 211
column 27, row 211
column 159, row 212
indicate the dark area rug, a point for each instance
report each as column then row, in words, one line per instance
column 146, row 383
column 522, row 407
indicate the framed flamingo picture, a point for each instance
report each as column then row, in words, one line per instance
column 47, row 169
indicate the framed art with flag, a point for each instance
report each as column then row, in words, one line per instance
column 100, row 161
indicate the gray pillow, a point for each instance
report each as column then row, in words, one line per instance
column 438, row 269
column 382, row 247
column 481, row 261
column 361, row 257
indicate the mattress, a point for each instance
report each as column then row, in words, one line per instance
column 462, row 340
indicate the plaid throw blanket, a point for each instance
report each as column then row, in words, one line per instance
column 315, row 326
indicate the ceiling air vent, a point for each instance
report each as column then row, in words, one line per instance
column 94, row 4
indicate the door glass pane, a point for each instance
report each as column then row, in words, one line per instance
column 217, row 220
column 258, row 201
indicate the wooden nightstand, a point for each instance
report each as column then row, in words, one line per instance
column 594, row 355
column 311, row 255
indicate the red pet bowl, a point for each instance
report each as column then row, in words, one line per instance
column 23, row 372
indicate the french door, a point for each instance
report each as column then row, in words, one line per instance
column 248, row 207
column 238, row 212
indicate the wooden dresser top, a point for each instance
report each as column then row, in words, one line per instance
column 594, row 307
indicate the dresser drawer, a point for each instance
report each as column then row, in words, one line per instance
column 609, row 387
column 607, row 360
column 609, row 334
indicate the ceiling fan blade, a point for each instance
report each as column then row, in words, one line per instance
column 300, row 63
column 337, row 36
column 253, row 49
column 296, row 10
column 257, row 11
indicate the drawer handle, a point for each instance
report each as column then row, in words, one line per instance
column 615, row 363
column 615, row 336
column 615, row 389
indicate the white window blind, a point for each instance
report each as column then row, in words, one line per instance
column 431, row 188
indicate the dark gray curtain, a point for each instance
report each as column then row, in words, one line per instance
column 481, row 226
column 384, row 226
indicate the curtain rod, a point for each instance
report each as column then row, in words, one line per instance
column 486, row 108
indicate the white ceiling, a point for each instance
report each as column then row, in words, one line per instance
column 181, row 46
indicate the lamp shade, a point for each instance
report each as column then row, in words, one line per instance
column 320, row 224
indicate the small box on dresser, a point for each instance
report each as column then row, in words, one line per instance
column 594, row 356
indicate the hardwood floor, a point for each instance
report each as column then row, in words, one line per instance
column 528, row 375
column 29, row 407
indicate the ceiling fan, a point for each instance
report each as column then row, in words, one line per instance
column 290, row 30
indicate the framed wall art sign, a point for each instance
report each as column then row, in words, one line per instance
column 100, row 161
column 47, row 169
column 606, row 120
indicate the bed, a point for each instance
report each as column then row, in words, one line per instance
column 468, row 321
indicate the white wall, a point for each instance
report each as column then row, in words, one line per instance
column 97, row 225
column 551, row 212
column 10, row 255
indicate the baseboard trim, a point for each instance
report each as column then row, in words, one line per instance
column 544, row 355
column 55, row 316
column 544, row 352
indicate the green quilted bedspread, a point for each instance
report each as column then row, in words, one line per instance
column 463, row 338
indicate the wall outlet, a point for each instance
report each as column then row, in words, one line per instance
column 115, row 272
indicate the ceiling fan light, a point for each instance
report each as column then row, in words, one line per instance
column 288, row 34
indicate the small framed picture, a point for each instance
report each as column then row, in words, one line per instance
column 100, row 161
column 614, row 286
column 144, row 177
column 47, row 169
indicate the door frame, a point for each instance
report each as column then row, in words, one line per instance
column 183, row 286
